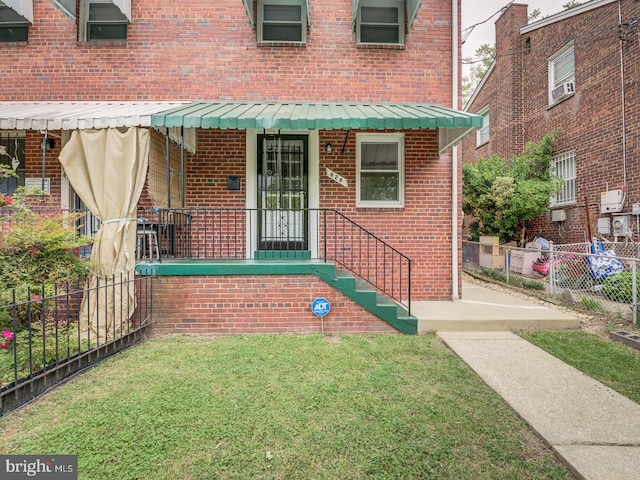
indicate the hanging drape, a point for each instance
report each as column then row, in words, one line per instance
column 107, row 169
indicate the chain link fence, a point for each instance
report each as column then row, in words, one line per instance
column 599, row 279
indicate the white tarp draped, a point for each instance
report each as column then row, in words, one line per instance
column 107, row 170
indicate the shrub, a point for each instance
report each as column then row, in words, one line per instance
column 619, row 287
column 36, row 255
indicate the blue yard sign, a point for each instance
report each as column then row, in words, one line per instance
column 321, row 306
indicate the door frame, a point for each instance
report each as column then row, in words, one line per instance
column 251, row 201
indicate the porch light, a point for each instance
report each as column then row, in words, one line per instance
column 329, row 148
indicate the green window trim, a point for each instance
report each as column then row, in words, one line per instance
column 111, row 28
column 281, row 27
column 379, row 22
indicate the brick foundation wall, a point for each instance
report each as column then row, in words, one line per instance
column 219, row 305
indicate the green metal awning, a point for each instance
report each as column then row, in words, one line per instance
column 453, row 124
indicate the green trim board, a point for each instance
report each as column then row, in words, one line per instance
column 356, row 290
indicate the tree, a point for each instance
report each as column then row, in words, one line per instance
column 571, row 4
column 500, row 195
column 484, row 56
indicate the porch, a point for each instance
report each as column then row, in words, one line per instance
column 267, row 267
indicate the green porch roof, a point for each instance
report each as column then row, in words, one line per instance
column 453, row 125
column 313, row 116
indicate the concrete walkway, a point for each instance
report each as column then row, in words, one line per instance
column 485, row 309
column 593, row 429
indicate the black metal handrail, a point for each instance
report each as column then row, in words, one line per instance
column 231, row 233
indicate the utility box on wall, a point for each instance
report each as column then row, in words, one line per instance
column 611, row 201
column 558, row 215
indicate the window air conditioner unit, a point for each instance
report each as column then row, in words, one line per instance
column 562, row 91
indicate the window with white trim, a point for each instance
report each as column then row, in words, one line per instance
column 562, row 72
column 380, row 22
column 12, row 155
column 282, row 21
column 380, row 170
column 102, row 20
column 482, row 134
column 563, row 166
column 13, row 26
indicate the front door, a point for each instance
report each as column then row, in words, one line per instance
column 283, row 184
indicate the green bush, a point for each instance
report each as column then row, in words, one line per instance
column 37, row 253
column 619, row 287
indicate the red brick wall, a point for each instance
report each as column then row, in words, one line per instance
column 203, row 49
column 255, row 304
column 590, row 122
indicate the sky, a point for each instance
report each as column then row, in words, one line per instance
column 475, row 11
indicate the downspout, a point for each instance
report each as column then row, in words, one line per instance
column 454, row 153
column 622, row 90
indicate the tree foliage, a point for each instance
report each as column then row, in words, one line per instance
column 501, row 194
column 480, row 63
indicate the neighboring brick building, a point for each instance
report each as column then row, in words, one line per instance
column 576, row 71
column 368, row 75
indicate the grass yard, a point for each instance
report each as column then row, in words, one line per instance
column 611, row 363
column 282, row 407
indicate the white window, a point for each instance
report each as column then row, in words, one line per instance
column 12, row 156
column 562, row 74
column 564, row 166
column 380, row 22
column 282, row 21
column 482, row 134
column 380, row 170
column 102, row 20
column 13, row 26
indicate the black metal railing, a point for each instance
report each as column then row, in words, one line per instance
column 45, row 337
column 237, row 233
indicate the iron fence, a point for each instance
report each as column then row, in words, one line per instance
column 238, row 233
column 598, row 279
column 46, row 338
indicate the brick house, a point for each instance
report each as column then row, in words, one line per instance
column 575, row 71
column 264, row 117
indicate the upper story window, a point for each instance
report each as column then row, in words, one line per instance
column 13, row 26
column 102, row 20
column 379, row 21
column 380, row 170
column 482, row 134
column 562, row 74
column 563, row 166
column 282, row 21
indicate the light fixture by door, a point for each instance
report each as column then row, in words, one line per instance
column 329, row 148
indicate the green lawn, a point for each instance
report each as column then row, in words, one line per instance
column 611, row 363
column 282, row 407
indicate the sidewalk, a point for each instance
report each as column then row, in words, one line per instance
column 484, row 309
column 593, row 429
